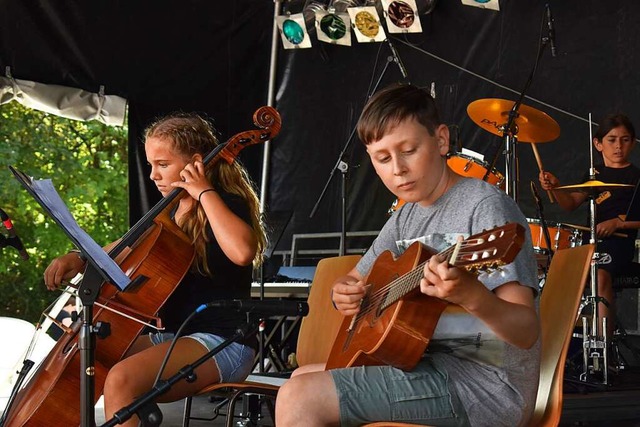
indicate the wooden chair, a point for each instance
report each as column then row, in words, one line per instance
column 558, row 310
column 315, row 339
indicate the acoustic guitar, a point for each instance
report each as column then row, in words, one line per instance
column 396, row 321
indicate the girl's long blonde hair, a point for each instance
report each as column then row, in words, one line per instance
column 190, row 134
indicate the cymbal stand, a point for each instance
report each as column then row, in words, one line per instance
column 545, row 230
column 509, row 142
column 510, row 131
column 595, row 347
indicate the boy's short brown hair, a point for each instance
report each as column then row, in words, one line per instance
column 387, row 108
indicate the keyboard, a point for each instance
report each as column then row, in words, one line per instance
column 282, row 290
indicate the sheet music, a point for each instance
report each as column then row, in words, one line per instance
column 50, row 197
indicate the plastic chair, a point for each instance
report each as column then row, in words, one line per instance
column 558, row 310
column 315, row 339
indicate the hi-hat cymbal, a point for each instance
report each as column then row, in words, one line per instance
column 592, row 187
column 533, row 125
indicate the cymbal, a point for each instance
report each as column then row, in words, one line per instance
column 592, row 187
column 533, row 125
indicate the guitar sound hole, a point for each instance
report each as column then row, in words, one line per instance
column 379, row 308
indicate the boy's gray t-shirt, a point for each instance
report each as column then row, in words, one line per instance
column 491, row 377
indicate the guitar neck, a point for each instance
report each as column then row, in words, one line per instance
column 483, row 251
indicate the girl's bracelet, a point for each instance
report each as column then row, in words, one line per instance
column 204, row 191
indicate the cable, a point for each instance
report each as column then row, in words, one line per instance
column 560, row 110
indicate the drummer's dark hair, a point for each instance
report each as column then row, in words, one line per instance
column 387, row 108
column 613, row 121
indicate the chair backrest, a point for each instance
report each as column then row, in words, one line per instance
column 320, row 327
column 559, row 303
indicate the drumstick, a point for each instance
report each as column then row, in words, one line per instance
column 582, row 227
column 537, row 156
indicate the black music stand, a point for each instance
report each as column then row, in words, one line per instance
column 100, row 268
column 276, row 223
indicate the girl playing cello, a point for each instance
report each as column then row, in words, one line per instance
column 221, row 217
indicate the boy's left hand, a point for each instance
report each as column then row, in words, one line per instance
column 447, row 282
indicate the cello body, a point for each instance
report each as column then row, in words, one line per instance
column 156, row 250
column 52, row 397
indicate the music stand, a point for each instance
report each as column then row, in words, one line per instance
column 100, row 268
column 276, row 223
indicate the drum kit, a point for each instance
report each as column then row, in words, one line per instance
column 532, row 126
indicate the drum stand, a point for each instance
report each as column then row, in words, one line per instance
column 545, row 233
column 595, row 347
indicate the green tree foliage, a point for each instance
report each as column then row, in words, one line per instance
column 87, row 163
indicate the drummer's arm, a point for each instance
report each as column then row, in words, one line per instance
column 566, row 200
column 627, row 225
column 569, row 201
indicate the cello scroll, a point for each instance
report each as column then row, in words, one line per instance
column 268, row 119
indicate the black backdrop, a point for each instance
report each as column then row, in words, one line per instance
column 213, row 57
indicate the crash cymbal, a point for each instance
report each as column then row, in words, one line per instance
column 592, row 187
column 533, row 125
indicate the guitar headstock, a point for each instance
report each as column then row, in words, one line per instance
column 490, row 249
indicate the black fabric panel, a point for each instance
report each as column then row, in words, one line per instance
column 324, row 88
column 213, row 57
column 210, row 57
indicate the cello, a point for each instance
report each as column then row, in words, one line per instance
column 155, row 254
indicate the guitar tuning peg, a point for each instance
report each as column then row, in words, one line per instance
column 495, row 268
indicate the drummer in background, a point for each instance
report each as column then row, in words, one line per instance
column 614, row 139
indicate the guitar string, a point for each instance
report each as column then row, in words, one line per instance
column 409, row 284
column 382, row 292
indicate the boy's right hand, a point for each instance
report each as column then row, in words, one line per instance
column 347, row 294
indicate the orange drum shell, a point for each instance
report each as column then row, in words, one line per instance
column 468, row 166
column 562, row 236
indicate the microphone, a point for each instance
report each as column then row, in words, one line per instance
column 261, row 307
column 13, row 239
column 396, row 59
column 552, row 32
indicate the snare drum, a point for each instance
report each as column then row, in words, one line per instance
column 562, row 236
column 474, row 168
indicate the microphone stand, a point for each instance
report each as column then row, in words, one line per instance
column 510, row 135
column 145, row 404
column 543, row 224
column 342, row 166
